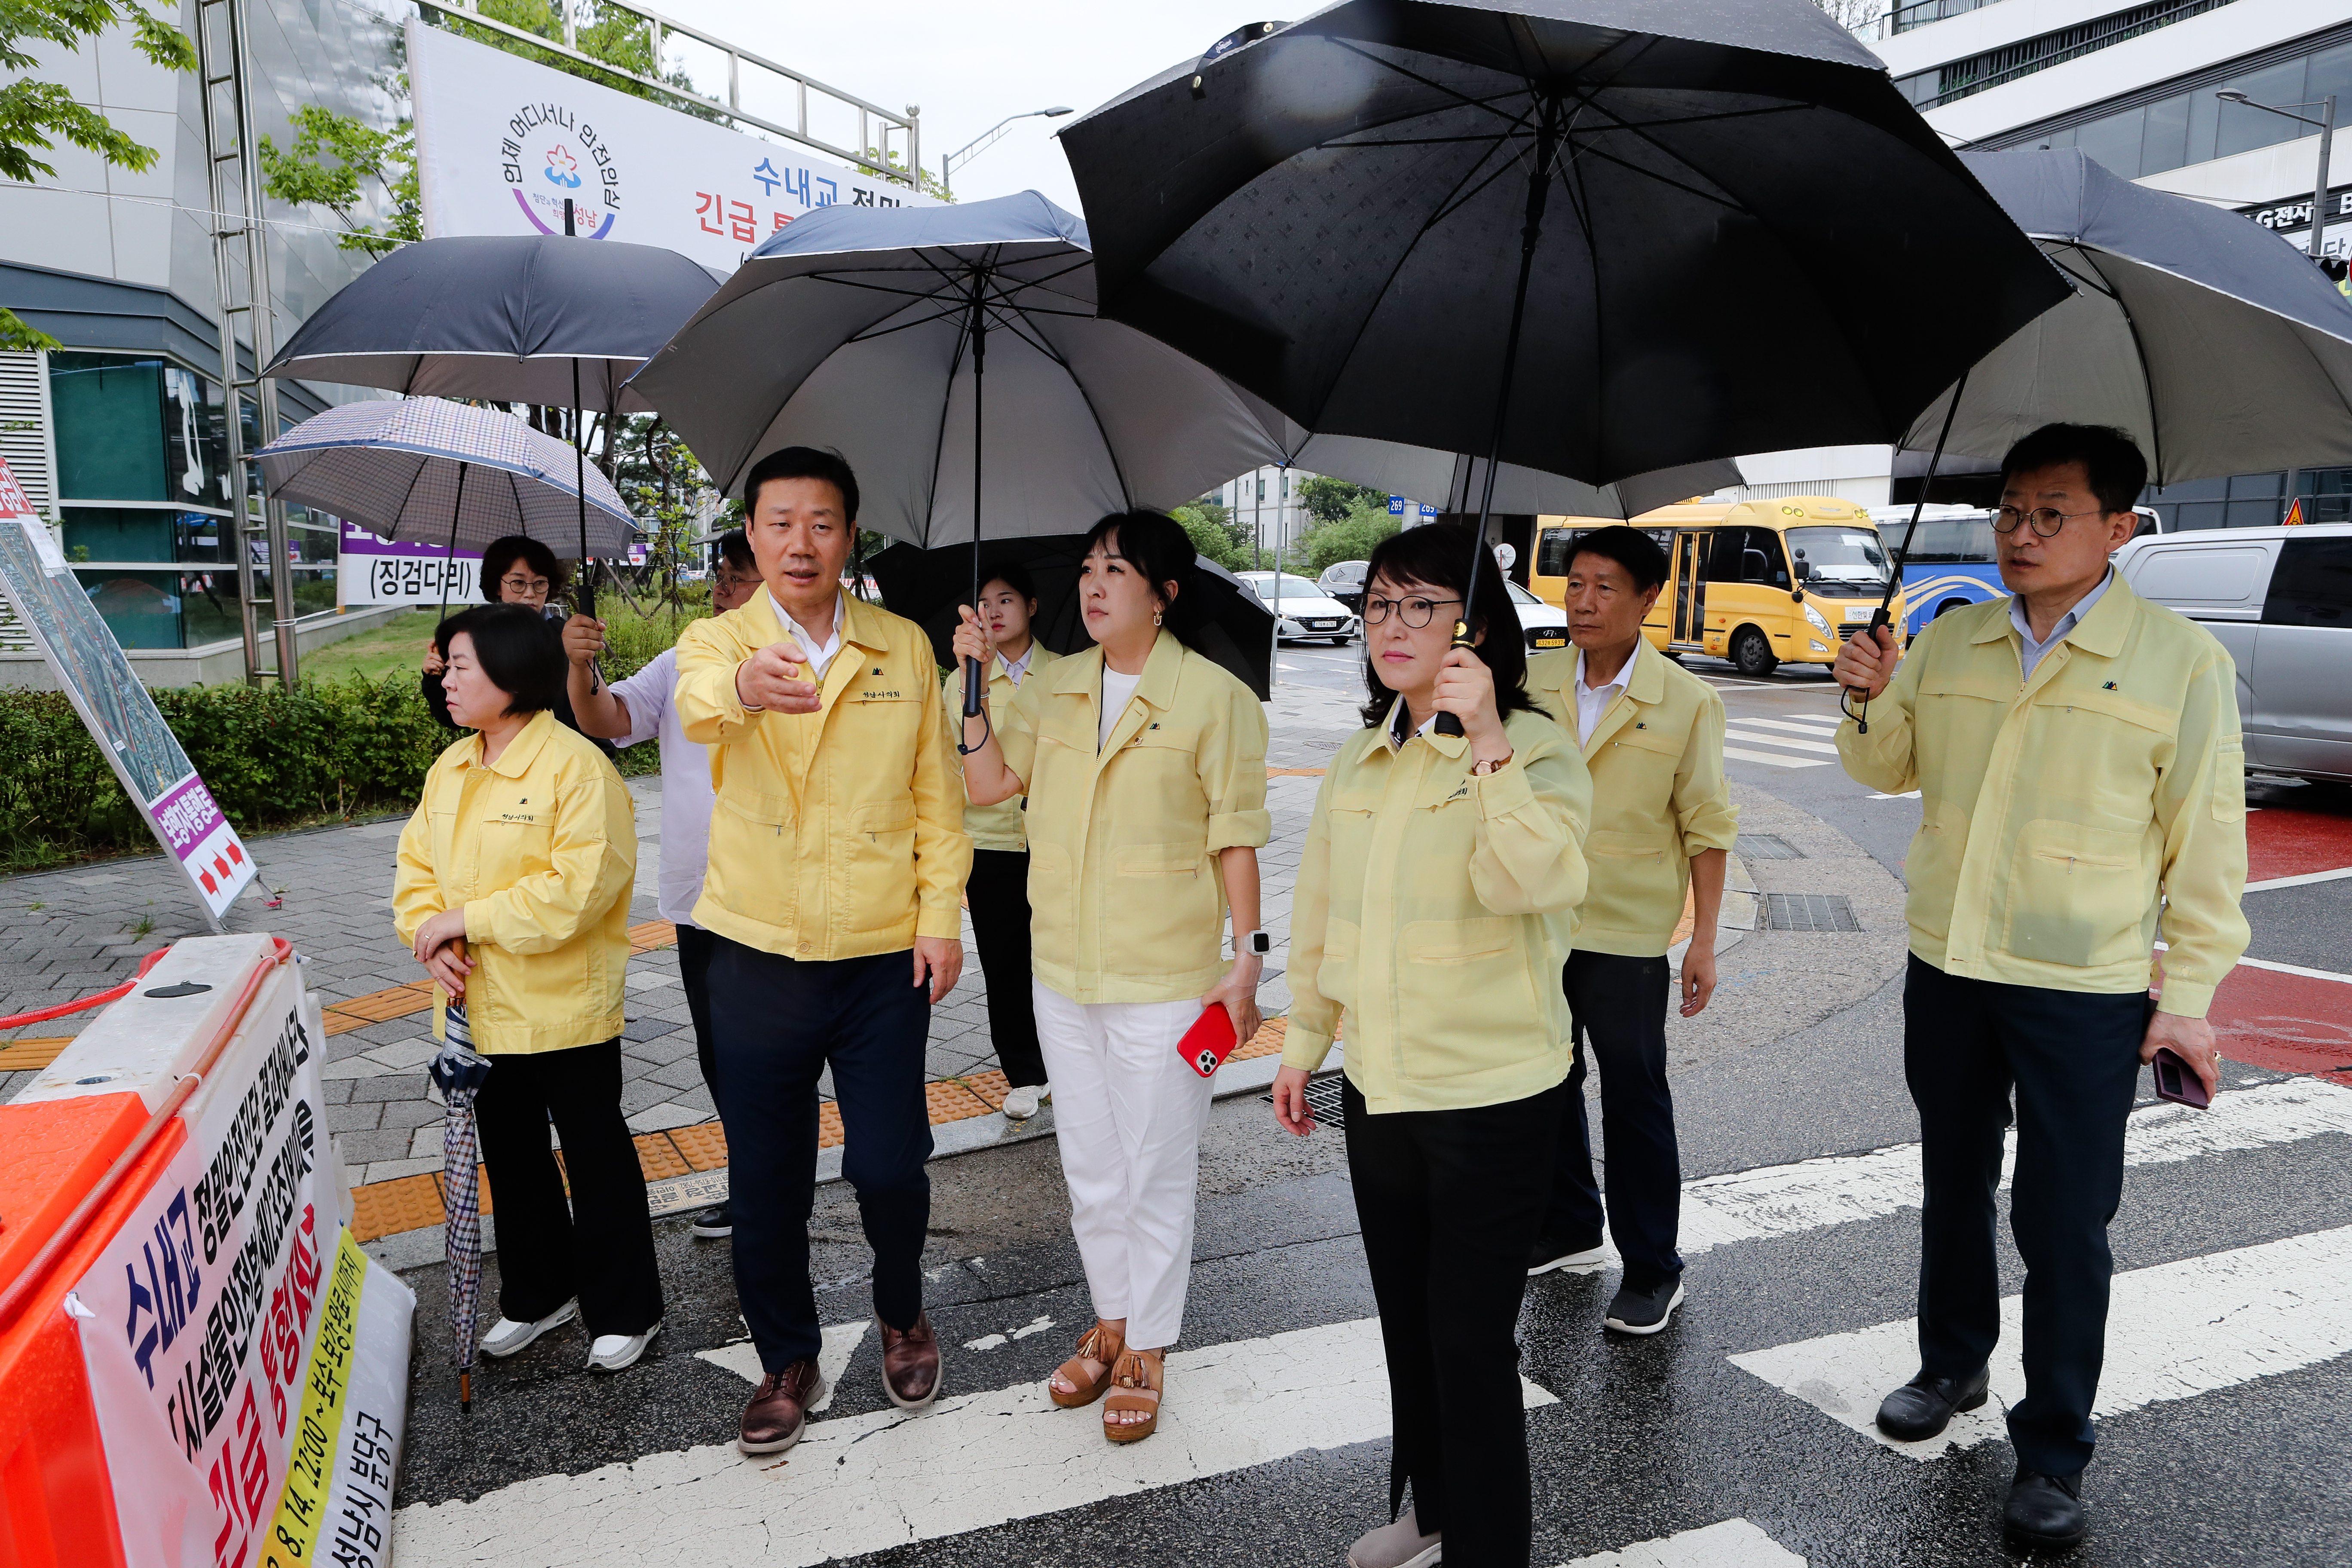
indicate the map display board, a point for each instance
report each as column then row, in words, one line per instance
column 98, row 680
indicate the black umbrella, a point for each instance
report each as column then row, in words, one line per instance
column 1226, row 620
column 543, row 319
column 1733, row 233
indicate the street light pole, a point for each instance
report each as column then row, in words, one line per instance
column 2327, row 124
column 987, row 139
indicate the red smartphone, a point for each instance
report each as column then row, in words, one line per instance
column 1210, row 1040
column 2177, row 1081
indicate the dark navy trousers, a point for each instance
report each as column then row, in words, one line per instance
column 2071, row 1058
column 1620, row 1007
column 777, row 1024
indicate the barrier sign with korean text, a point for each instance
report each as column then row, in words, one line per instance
column 237, row 1365
column 50, row 604
column 377, row 572
column 502, row 143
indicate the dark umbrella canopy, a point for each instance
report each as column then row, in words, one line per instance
column 503, row 318
column 1752, row 241
column 1230, row 624
column 2216, row 344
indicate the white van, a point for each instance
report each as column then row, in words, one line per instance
column 2280, row 599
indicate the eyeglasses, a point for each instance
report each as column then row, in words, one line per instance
column 521, row 586
column 2047, row 520
column 731, row 582
column 1416, row 611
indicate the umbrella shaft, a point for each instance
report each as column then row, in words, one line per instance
column 1902, row 557
column 975, row 681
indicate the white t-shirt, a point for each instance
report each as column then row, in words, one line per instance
column 1118, row 691
column 1592, row 702
column 687, row 796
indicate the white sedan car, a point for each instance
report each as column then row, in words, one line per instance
column 1304, row 610
column 1544, row 624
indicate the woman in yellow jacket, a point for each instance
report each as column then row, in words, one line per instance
column 998, row 890
column 1144, row 763
column 1431, row 913
column 513, row 890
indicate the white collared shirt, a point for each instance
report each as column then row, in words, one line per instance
column 1016, row 670
column 2032, row 652
column 1590, row 702
column 818, row 655
column 1401, row 717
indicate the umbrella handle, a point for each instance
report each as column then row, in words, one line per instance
column 1451, row 723
column 976, row 688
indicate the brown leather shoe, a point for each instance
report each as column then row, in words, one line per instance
column 910, row 1364
column 778, row 1413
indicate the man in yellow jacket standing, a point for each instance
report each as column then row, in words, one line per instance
column 837, row 865
column 1662, row 824
column 2082, row 783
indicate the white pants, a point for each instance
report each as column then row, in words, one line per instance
column 1129, row 1113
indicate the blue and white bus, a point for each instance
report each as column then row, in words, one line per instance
column 1951, row 561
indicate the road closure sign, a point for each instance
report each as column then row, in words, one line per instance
column 502, row 143
column 88, row 663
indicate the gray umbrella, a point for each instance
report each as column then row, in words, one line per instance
column 2216, row 344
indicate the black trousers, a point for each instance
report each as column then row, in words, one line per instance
column 1448, row 1215
column 694, row 946
column 999, row 893
column 600, row 1245
column 1620, row 1006
column 2073, row 1060
column 778, row 1024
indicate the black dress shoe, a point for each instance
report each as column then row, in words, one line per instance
column 714, row 1223
column 2044, row 1512
column 1924, row 1406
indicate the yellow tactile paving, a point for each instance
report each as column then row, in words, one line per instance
column 659, row 1158
column 992, row 1087
column 704, row 1146
column 387, row 1208
column 1293, row 773
column 18, row 1055
column 647, row 935
column 828, row 1126
column 1266, row 1042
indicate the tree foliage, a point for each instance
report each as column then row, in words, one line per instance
column 34, row 114
column 1350, row 538
column 1215, row 534
column 301, row 175
column 1330, row 500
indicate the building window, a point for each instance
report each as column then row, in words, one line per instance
column 1905, row 18
column 2194, row 126
column 2241, row 500
column 1995, row 67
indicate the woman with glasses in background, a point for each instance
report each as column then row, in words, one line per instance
column 1431, row 913
column 515, row 571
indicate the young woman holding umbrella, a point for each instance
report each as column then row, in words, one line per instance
column 1144, row 763
column 1432, row 910
column 513, row 890
column 998, row 890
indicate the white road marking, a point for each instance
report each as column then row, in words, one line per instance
column 1907, row 795
column 1794, row 745
column 841, row 1342
column 1800, row 725
column 2173, row 1332
column 2303, row 881
column 2293, row 969
column 1734, row 1543
column 1768, row 758
column 888, row 1478
column 1037, row 1325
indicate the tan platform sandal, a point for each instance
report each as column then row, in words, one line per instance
column 1139, row 1376
column 1099, row 1344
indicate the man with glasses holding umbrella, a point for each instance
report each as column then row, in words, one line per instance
column 2082, row 783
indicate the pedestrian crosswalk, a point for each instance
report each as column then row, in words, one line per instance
column 994, row 1456
column 1797, row 741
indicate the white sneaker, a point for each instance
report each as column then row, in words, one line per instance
column 507, row 1336
column 1023, row 1102
column 1398, row 1545
column 612, row 1353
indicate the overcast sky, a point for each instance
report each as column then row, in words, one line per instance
column 969, row 63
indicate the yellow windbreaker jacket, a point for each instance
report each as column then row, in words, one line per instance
column 1003, row 824
column 837, row 834
column 1658, row 796
column 1431, row 911
column 2062, row 815
column 1127, row 904
column 541, row 849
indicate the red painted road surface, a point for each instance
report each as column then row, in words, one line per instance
column 2283, row 842
column 2290, row 1023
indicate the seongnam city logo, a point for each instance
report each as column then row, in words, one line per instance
column 548, row 155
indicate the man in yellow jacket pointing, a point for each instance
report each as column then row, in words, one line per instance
column 2082, row 790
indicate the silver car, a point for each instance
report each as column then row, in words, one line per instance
column 2280, row 599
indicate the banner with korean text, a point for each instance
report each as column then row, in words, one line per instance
column 248, row 1363
column 503, row 142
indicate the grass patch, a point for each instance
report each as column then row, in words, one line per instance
column 395, row 646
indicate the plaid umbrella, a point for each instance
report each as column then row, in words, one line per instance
column 459, row 1072
column 425, row 470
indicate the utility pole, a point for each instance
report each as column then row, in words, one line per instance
column 2326, row 127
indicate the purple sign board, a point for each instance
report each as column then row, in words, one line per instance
column 376, row 572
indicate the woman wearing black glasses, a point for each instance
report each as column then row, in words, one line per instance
column 515, row 571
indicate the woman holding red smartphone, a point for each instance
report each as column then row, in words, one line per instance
column 1144, row 763
column 1431, row 913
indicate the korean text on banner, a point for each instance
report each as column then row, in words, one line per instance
column 502, row 143
column 39, row 586
column 197, row 1321
column 372, row 571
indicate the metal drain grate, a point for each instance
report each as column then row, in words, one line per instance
column 1322, row 1099
column 1809, row 912
column 1768, row 846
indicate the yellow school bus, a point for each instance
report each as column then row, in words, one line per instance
column 1759, row 582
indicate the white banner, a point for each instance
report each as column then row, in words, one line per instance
column 371, row 570
column 502, row 142
column 200, row 1319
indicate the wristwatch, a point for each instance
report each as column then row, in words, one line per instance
column 1256, row 942
column 1484, row 769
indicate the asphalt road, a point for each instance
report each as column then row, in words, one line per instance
column 1728, row 1441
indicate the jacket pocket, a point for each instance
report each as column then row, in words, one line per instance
column 1466, row 1000
column 1335, row 977
column 2077, row 895
column 880, row 893
column 1158, row 860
